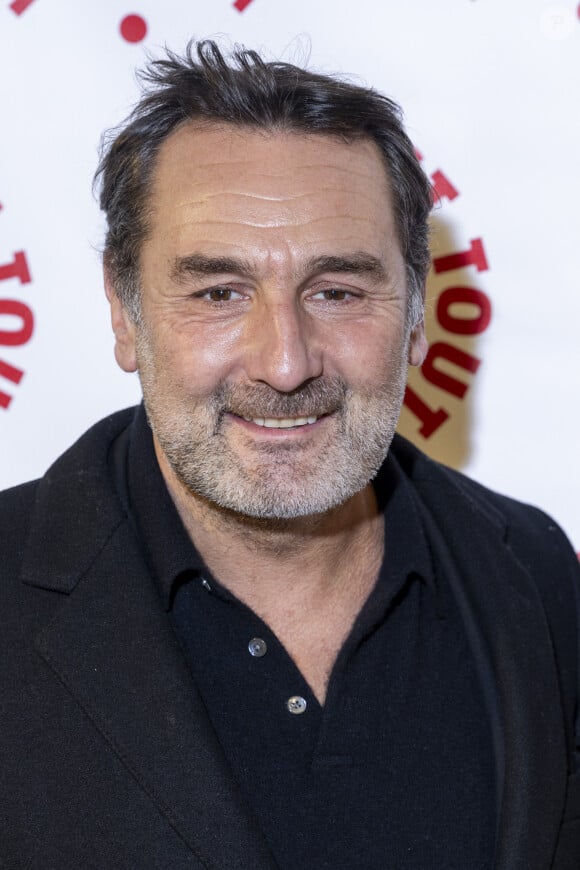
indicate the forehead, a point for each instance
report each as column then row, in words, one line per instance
column 224, row 185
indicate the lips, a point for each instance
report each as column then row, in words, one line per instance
column 281, row 422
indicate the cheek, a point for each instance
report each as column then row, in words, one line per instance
column 196, row 360
column 367, row 355
column 217, row 350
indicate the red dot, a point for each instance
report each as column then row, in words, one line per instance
column 133, row 28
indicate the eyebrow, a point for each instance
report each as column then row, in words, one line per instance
column 200, row 264
column 357, row 263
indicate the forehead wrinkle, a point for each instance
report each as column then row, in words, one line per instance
column 236, row 151
column 350, row 167
column 275, row 223
column 210, row 196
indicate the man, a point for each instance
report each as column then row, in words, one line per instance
column 240, row 629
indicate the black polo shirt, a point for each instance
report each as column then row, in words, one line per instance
column 396, row 770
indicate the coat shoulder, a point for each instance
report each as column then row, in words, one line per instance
column 75, row 497
column 532, row 534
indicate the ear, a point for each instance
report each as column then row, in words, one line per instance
column 123, row 328
column 418, row 345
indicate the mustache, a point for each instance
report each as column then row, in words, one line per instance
column 313, row 399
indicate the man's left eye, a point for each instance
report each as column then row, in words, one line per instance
column 332, row 294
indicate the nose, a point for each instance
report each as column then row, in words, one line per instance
column 282, row 349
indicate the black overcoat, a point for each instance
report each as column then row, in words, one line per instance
column 107, row 755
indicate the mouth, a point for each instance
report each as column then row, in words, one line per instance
column 281, row 422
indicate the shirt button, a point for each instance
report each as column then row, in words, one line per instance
column 296, row 705
column 257, row 647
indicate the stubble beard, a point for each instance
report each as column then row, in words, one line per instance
column 274, row 480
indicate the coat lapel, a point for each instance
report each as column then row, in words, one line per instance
column 502, row 604
column 112, row 645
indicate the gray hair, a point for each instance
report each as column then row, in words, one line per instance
column 246, row 91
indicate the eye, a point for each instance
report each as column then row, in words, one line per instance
column 220, row 294
column 332, row 294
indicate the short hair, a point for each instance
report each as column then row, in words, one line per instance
column 246, row 91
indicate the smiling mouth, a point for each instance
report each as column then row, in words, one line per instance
column 281, row 422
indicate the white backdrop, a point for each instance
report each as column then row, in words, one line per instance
column 491, row 95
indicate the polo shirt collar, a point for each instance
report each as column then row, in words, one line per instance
column 172, row 556
column 168, row 549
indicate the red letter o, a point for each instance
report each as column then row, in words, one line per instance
column 464, row 325
column 12, row 338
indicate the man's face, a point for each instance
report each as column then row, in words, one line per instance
column 273, row 344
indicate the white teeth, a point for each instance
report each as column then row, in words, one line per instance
column 282, row 422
